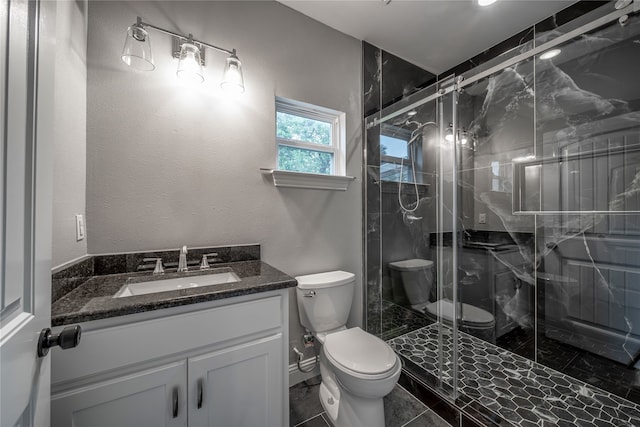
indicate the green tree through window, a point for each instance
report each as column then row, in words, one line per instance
column 309, row 138
column 302, row 160
column 302, row 129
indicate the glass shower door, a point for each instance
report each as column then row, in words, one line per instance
column 414, row 180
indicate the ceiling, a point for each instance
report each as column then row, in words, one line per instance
column 433, row 34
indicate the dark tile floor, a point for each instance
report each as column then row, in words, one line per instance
column 401, row 409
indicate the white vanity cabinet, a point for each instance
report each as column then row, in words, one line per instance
column 241, row 378
column 219, row 363
column 150, row 398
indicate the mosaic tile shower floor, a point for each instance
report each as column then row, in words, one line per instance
column 522, row 392
column 583, row 365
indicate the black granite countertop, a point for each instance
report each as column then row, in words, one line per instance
column 94, row 299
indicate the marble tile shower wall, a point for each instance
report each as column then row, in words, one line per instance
column 550, row 177
column 556, row 149
column 386, row 79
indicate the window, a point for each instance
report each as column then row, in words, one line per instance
column 500, row 177
column 394, row 152
column 309, row 138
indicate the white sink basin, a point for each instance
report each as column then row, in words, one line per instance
column 163, row 285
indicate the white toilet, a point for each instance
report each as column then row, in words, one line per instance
column 415, row 276
column 357, row 368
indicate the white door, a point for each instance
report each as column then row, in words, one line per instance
column 27, row 49
column 241, row 386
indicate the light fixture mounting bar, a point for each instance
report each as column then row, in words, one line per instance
column 182, row 36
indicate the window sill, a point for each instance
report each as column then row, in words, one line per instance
column 308, row 180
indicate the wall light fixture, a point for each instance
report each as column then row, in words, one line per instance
column 190, row 53
column 465, row 137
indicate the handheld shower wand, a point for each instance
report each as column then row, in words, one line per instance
column 414, row 136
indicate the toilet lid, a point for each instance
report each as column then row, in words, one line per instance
column 324, row 280
column 471, row 315
column 360, row 351
column 411, row 264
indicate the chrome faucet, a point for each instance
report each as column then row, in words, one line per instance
column 182, row 262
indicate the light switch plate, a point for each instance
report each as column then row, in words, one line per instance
column 79, row 227
column 482, row 218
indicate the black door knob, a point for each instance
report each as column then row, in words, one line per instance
column 68, row 338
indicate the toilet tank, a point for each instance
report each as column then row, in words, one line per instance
column 324, row 300
column 415, row 277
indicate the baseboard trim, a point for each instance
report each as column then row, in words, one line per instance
column 296, row 376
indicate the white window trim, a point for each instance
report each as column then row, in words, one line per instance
column 314, row 112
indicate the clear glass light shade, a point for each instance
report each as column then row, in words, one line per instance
column 189, row 64
column 137, row 49
column 232, row 80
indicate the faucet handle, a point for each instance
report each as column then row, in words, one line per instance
column 159, row 269
column 205, row 262
column 183, row 250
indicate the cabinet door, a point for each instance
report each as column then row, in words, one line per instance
column 512, row 303
column 239, row 386
column 154, row 398
column 474, row 279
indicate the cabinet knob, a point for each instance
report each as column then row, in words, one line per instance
column 68, row 338
column 517, row 283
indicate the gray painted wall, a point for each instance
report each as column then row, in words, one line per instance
column 169, row 165
column 69, row 173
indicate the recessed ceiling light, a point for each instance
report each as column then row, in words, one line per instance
column 550, row 54
column 486, row 2
column 412, row 113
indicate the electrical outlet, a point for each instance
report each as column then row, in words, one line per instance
column 80, row 227
column 482, row 218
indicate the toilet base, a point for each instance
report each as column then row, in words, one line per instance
column 328, row 401
column 346, row 409
column 352, row 411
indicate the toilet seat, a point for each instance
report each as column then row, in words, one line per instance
column 472, row 316
column 416, row 264
column 360, row 354
column 320, row 336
